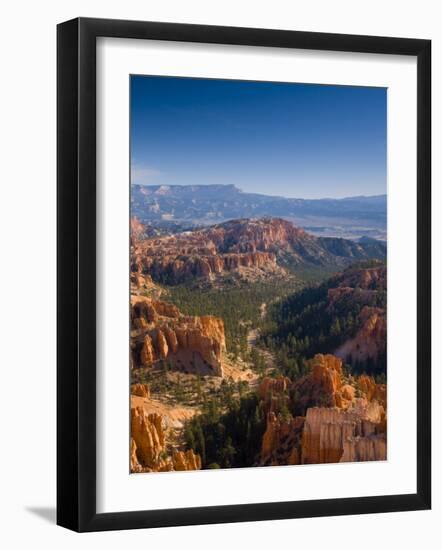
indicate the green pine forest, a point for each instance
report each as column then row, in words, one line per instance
column 298, row 324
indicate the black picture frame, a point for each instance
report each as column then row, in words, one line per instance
column 76, row 274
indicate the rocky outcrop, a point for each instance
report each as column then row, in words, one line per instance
column 367, row 278
column 361, row 290
column 324, row 417
column 135, row 466
column 326, row 430
column 175, row 268
column 145, row 310
column 323, row 386
column 204, row 254
column 274, row 392
column 137, row 230
column 186, row 460
column 334, row 413
column 371, row 339
column 361, row 449
column 371, row 390
column 142, row 390
column 248, row 247
column 148, row 450
column 161, row 332
column 148, row 434
column 281, row 442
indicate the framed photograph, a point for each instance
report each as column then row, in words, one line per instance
column 243, row 274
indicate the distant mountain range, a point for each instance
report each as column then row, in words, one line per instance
column 193, row 205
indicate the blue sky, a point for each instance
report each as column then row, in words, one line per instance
column 294, row 140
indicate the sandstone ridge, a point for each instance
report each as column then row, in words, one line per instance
column 251, row 248
column 335, row 419
column 148, row 449
column 159, row 332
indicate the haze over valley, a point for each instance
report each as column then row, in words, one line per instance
column 184, row 206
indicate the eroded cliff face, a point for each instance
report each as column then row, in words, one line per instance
column 371, row 390
column 281, row 443
column 148, row 448
column 252, row 235
column 370, row 340
column 141, row 390
column 328, row 430
column 365, row 287
column 323, row 386
column 332, row 418
column 174, row 268
column 361, row 449
column 205, row 254
column 249, row 248
column 137, row 230
column 371, row 278
column 160, row 332
column 274, row 393
column 148, row 435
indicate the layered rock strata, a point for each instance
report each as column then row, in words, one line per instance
column 253, row 248
column 148, row 450
column 161, row 332
column 361, row 449
column 370, row 340
column 323, row 386
column 281, row 442
column 328, row 430
column 141, row 390
column 335, row 419
column 365, row 287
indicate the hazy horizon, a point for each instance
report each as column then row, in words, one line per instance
column 252, row 192
column 278, row 139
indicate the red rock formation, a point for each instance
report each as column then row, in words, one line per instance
column 340, row 414
column 247, row 247
column 137, row 229
column 361, row 449
column 269, row 386
column 372, row 278
column 135, row 466
column 363, row 287
column 165, row 309
column 345, row 419
column 148, row 435
column 281, row 442
column 327, row 429
column 148, row 451
column 148, row 354
column 176, row 268
column 371, row 390
column 142, row 390
column 171, row 338
column 274, row 393
column 186, row 460
column 265, row 235
column 160, row 332
column 370, row 340
column 322, row 386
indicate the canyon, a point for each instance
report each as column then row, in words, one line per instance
column 236, row 360
column 252, row 249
